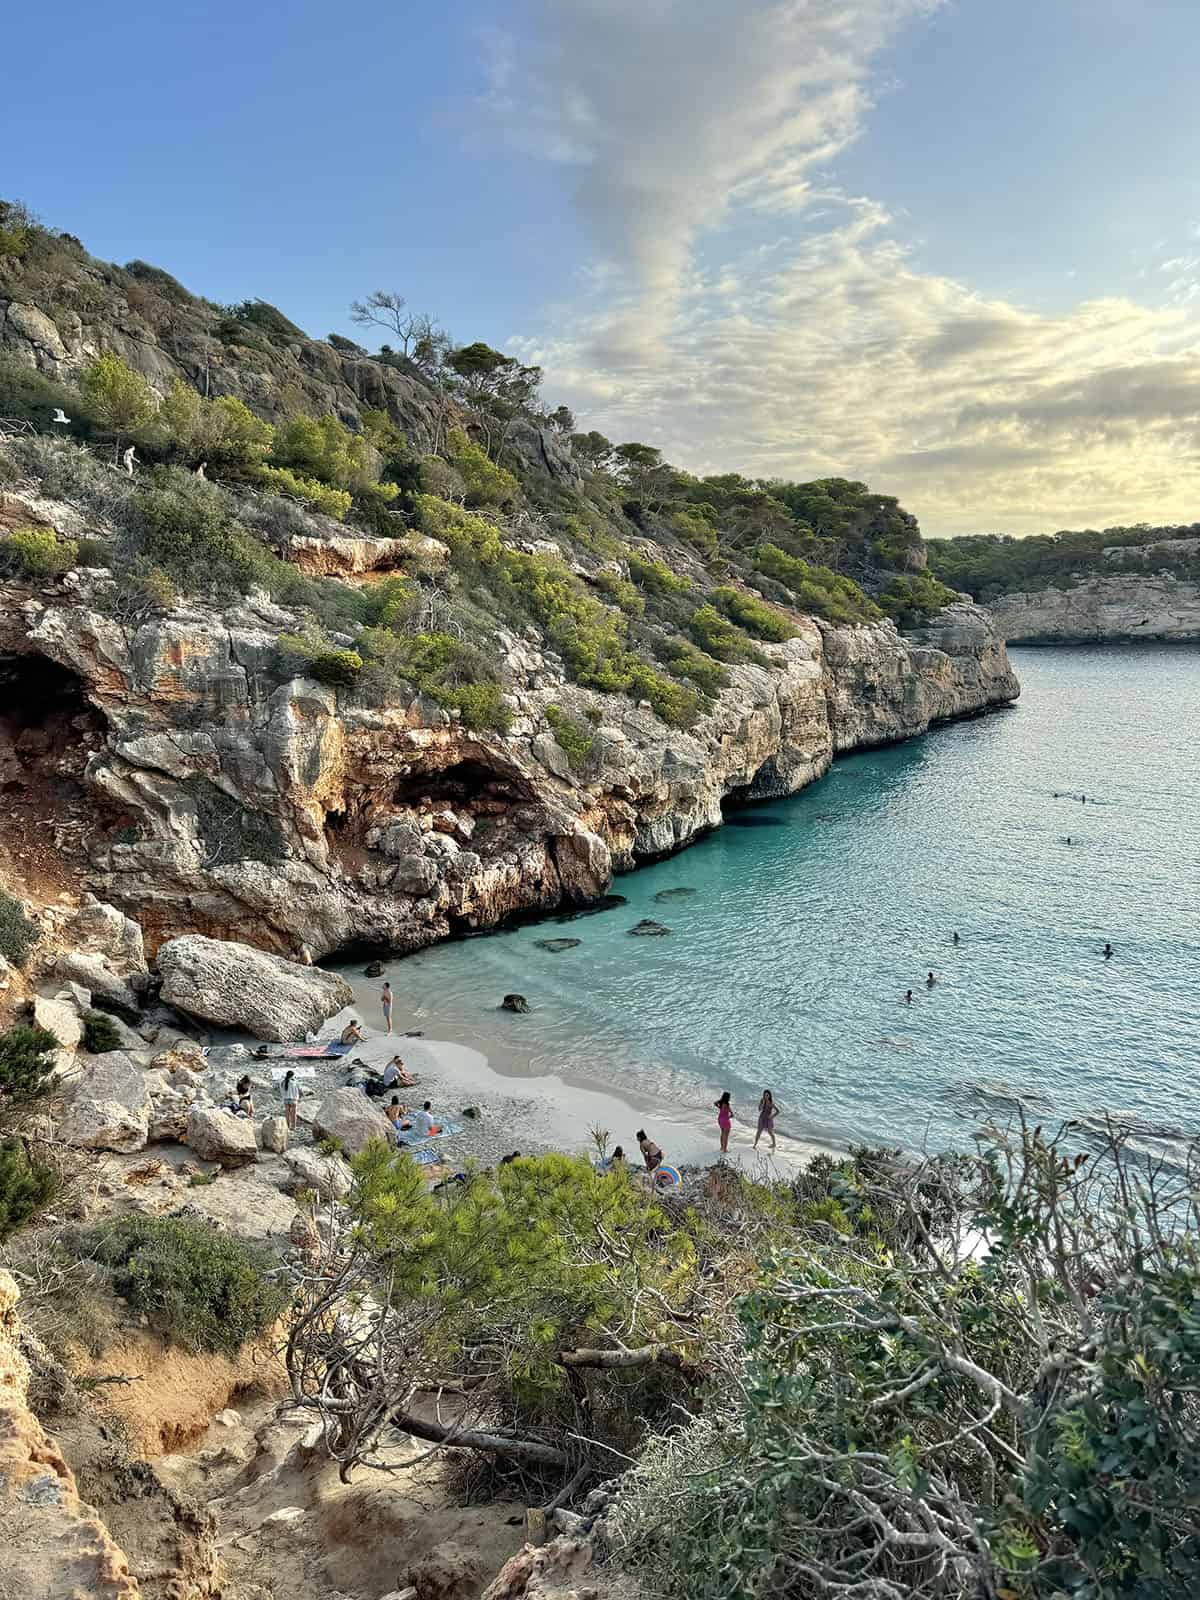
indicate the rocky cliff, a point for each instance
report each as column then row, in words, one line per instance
column 208, row 795
column 1113, row 609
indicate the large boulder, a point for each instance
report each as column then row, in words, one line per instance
column 216, row 1135
column 349, row 1117
column 97, row 929
column 239, row 986
column 110, row 1108
column 274, row 1134
column 327, row 1176
column 108, row 990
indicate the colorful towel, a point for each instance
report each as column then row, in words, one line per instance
column 409, row 1140
column 299, row 1052
column 304, row 1074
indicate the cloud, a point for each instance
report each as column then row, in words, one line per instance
column 742, row 314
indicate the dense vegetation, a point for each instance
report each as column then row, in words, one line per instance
column 646, row 580
column 27, row 1183
column 968, row 1376
column 986, row 565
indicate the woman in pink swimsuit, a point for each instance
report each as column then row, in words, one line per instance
column 724, row 1119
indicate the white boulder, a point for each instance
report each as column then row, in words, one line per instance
column 349, row 1117
column 216, row 1135
column 327, row 1176
column 274, row 1134
column 239, row 986
column 110, row 1108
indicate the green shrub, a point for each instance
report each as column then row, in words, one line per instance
column 38, row 553
column 685, row 661
column 203, row 1289
column 100, row 1033
column 762, row 620
column 16, row 229
column 473, row 540
column 93, row 553
column 451, row 672
column 224, row 432
column 480, row 707
column 26, row 1187
column 313, row 656
column 185, row 527
column 717, row 636
column 260, row 314
column 816, row 589
column 911, row 601
column 331, row 502
column 325, row 450
column 570, row 736
column 677, row 705
column 119, row 399
column 655, row 577
column 694, row 529
column 18, row 934
column 26, row 1066
column 162, row 283
column 485, row 484
column 227, row 830
column 29, row 396
column 621, row 592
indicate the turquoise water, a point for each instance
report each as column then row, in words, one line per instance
column 807, row 922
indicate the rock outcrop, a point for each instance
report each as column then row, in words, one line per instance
column 217, row 1135
column 110, row 1108
column 349, row 1117
column 223, row 981
column 233, row 804
column 1119, row 609
column 52, row 1545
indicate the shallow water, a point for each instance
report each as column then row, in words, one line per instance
column 786, row 964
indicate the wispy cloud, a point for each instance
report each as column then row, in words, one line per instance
column 743, row 315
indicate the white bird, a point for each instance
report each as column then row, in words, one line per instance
column 60, row 416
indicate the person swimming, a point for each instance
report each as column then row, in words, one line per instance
column 908, row 997
column 930, row 981
column 957, row 940
column 1108, row 952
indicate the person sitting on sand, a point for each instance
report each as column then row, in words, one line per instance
column 397, row 1073
column 352, row 1033
column 423, row 1123
column 651, row 1154
column 393, row 1112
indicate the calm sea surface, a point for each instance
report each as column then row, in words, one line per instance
column 807, row 919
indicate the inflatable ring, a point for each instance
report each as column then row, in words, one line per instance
column 666, row 1178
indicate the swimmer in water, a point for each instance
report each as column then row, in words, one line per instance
column 1068, row 838
column 930, row 981
column 1108, row 952
column 908, row 997
column 957, row 940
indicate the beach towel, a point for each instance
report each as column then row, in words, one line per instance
column 409, row 1140
column 304, row 1074
column 330, row 1050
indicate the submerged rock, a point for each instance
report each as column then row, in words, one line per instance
column 606, row 902
column 752, row 819
column 514, row 1002
column 647, row 928
column 373, row 970
column 664, row 895
column 234, row 984
column 556, row 945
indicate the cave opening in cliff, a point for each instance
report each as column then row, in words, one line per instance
column 48, row 731
column 467, row 785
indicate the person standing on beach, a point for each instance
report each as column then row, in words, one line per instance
column 291, row 1097
column 766, row 1118
column 651, row 1153
column 385, row 1000
column 724, row 1119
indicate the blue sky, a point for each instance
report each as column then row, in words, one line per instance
column 953, row 248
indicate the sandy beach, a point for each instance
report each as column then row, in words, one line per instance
column 527, row 1111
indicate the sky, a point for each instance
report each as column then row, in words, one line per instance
column 950, row 247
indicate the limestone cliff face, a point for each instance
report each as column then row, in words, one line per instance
column 222, row 800
column 1114, row 609
column 52, row 1545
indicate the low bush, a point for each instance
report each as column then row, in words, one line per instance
column 261, row 314
column 684, row 660
column 93, row 553
column 756, row 617
column 29, row 396
column 451, row 672
column 26, row 1187
column 911, row 601
column 324, row 450
column 570, row 735
column 18, row 934
column 198, row 1286
column 655, row 577
column 162, row 283
column 696, row 530
column 100, row 1033
column 816, row 589
column 718, row 637
column 621, row 592
column 313, row 656
column 223, row 432
column 119, row 400
column 484, row 483
column 331, row 502
column 26, row 1068
column 37, row 553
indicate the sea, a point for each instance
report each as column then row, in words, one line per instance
column 1037, row 834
